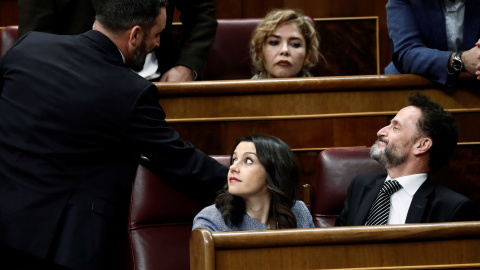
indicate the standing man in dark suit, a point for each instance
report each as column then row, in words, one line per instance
column 74, row 121
column 420, row 139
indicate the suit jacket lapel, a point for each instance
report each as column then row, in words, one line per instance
column 419, row 202
column 368, row 196
column 471, row 25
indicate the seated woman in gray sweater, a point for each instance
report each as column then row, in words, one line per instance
column 260, row 191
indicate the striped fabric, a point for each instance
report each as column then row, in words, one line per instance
column 378, row 214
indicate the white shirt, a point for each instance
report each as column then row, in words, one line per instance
column 150, row 68
column 400, row 201
column 454, row 16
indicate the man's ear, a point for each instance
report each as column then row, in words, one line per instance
column 422, row 145
column 136, row 36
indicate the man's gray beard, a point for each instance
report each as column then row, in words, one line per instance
column 387, row 159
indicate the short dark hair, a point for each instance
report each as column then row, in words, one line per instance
column 120, row 15
column 282, row 181
column 439, row 125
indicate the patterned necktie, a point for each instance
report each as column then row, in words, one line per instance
column 378, row 214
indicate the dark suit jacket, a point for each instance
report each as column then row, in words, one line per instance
column 64, row 17
column 418, row 37
column 199, row 25
column 431, row 203
column 73, row 122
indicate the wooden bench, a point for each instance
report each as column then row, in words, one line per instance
column 420, row 246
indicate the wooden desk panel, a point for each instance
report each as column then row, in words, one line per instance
column 219, row 137
column 422, row 246
column 306, row 98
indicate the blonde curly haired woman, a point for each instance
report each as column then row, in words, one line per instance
column 284, row 45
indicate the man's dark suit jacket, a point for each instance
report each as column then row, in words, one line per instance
column 65, row 17
column 431, row 203
column 199, row 26
column 74, row 120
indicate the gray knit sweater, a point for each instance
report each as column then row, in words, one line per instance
column 211, row 218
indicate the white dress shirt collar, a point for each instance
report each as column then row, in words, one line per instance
column 411, row 183
column 400, row 201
